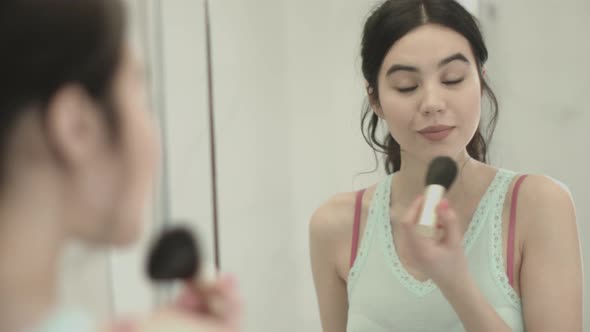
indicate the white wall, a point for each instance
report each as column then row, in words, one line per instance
column 249, row 48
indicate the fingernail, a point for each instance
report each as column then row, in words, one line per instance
column 443, row 205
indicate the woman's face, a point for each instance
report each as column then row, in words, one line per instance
column 115, row 186
column 430, row 93
column 139, row 148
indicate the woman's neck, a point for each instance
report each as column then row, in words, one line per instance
column 410, row 180
column 31, row 238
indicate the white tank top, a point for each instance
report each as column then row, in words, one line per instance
column 383, row 296
column 67, row 320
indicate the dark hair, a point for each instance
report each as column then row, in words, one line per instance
column 49, row 43
column 389, row 22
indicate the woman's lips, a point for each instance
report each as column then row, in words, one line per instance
column 436, row 133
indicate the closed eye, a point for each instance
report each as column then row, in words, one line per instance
column 457, row 81
column 408, row 89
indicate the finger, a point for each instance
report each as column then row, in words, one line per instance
column 232, row 302
column 447, row 219
column 222, row 301
column 191, row 302
column 196, row 294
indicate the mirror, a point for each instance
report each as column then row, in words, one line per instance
column 288, row 93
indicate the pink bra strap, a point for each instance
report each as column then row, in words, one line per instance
column 511, row 231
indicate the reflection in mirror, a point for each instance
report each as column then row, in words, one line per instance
column 289, row 97
column 427, row 75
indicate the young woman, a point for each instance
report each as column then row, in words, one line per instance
column 509, row 258
column 78, row 153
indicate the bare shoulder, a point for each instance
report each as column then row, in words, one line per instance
column 540, row 193
column 333, row 220
column 547, row 207
column 551, row 239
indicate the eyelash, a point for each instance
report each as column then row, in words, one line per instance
column 454, row 82
column 410, row 89
column 407, row 90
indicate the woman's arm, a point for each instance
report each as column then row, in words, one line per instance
column 551, row 276
column 325, row 238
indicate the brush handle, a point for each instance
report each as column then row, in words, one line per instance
column 427, row 223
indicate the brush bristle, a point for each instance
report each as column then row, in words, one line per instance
column 174, row 255
column 442, row 171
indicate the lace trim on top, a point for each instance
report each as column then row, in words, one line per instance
column 422, row 288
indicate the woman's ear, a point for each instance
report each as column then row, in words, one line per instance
column 373, row 100
column 76, row 129
column 482, row 79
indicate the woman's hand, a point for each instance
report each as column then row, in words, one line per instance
column 441, row 257
column 217, row 301
column 211, row 307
